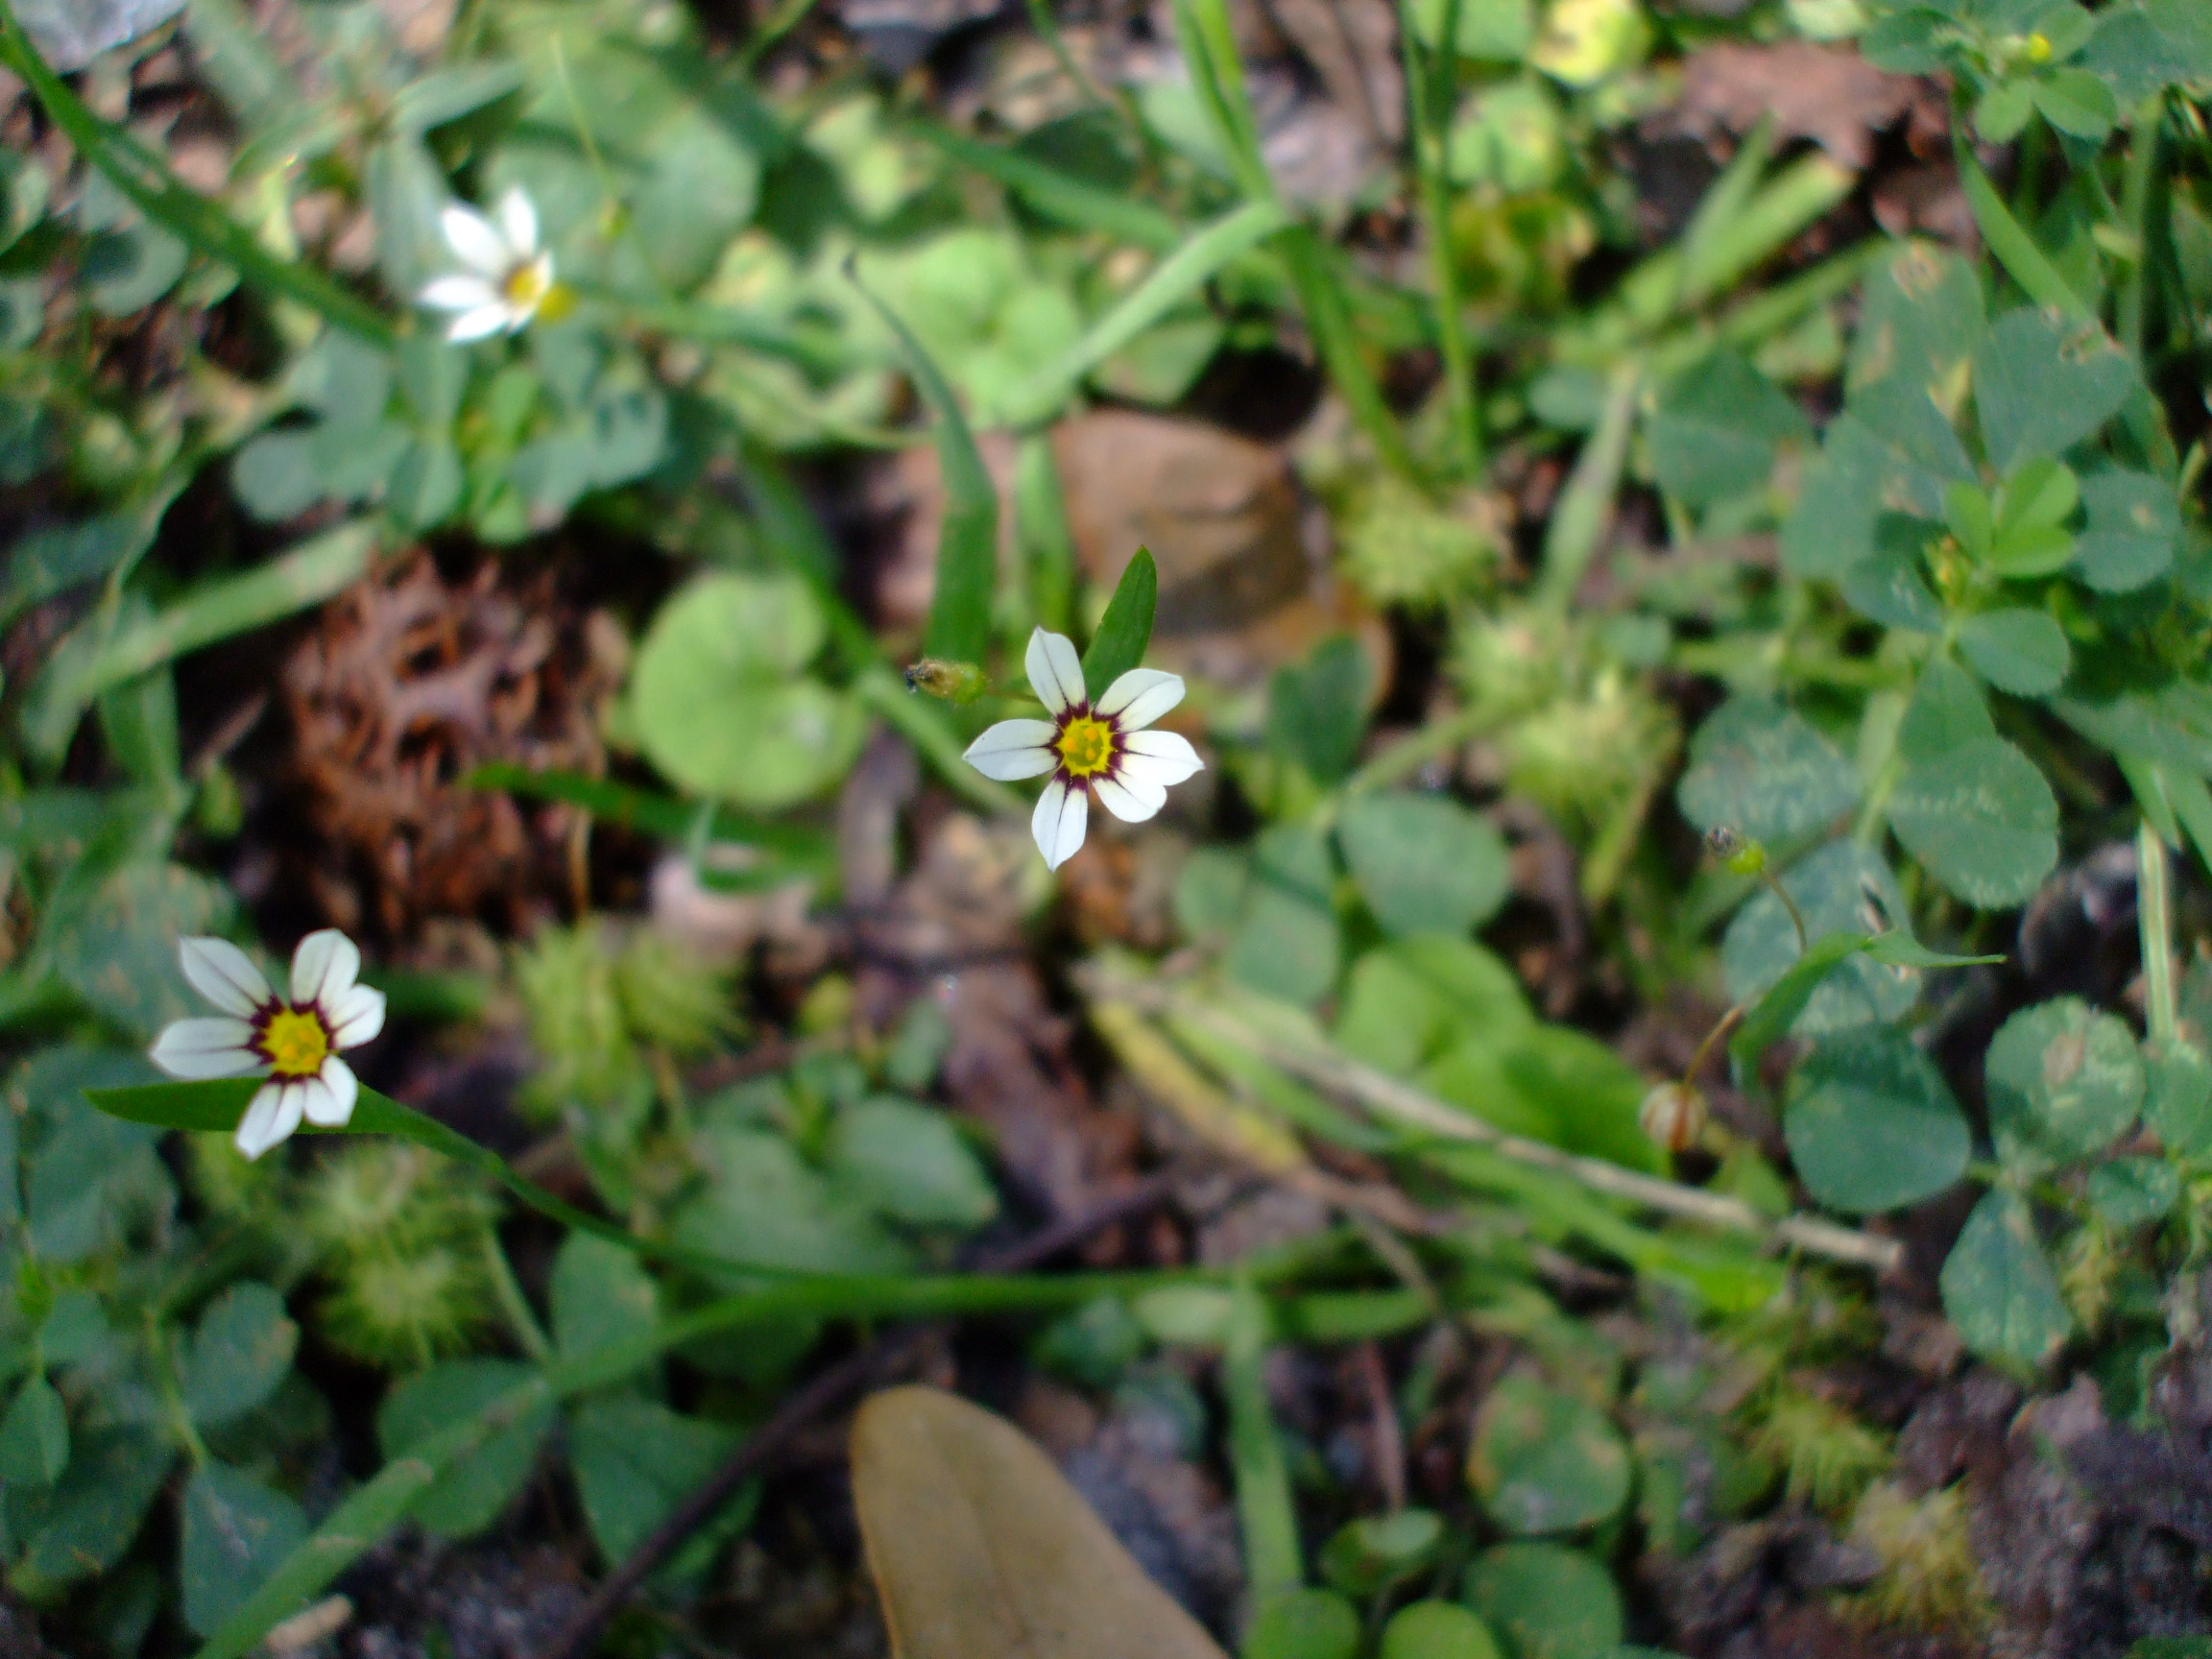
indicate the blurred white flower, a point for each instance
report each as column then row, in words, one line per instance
column 293, row 1042
column 506, row 279
column 1100, row 749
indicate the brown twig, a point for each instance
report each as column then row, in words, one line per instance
column 822, row 1395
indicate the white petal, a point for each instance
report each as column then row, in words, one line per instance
column 327, row 1097
column 225, row 975
column 1055, row 671
column 326, row 964
column 481, row 323
column 519, row 223
column 1141, row 696
column 273, row 1113
column 458, row 294
column 476, row 242
column 1132, row 797
column 1061, row 817
column 1014, row 749
column 197, row 1049
column 1166, row 755
column 354, row 1017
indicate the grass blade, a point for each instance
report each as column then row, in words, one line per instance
column 163, row 198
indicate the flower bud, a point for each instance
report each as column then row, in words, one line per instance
column 1673, row 1115
column 1745, row 856
column 949, row 682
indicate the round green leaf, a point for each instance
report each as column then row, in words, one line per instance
column 1303, row 1625
column 1981, row 820
column 119, row 951
column 2017, row 650
column 472, row 1491
column 1422, row 863
column 1546, row 1601
column 601, row 1295
column 2134, row 526
column 1436, row 1630
column 634, row 1460
column 1871, row 1124
column 2042, row 384
column 1544, row 1461
column 2177, row 1105
column 1715, row 429
column 717, row 702
column 236, row 1532
column 1831, row 889
column 906, row 1161
column 2077, row 103
column 2064, row 1082
column 1762, row 770
column 86, row 1520
column 240, row 1352
column 1377, row 1550
column 1998, row 1287
column 765, row 1203
column 2134, row 1191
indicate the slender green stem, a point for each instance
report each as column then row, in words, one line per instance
column 1266, row 1515
column 143, row 177
column 514, row 1305
column 2155, row 918
column 781, row 22
column 1414, row 751
column 2139, row 196
column 1585, row 506
column 1428, row 116
column 921, row 725
column 163, row 1353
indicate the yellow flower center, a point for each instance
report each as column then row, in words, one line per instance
column 527, row 285
column 1086, row 746
column 295, row 1042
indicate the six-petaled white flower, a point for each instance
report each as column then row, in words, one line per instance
column 1092, row 749
column 293, row 1042
column 506, row 279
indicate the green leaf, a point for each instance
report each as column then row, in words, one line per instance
column 2064, row 1082
column 959, row 626
column 2177, row 1105
column 1375, row 1551
column 763, row 1203
column 2077, row 104
column 721, row 705
column 470, row 1493
column 2017, row 650
column 88, row 1177
column 1545, row 1461
column 1422, row 863
column 2031, row 536
column 634, row 1460
column 1715, row 427
column 2134, row 528
column 2130, row 1193
column 1970, row 805
column 119, row 952
column 1920, row 318
column 35, row 1435
column 241, row 1349
column 1547, row 1601
column 1844, row 889
column 1785, row 1001
column 2041, row 385
column 1303, row 1625
column 2002, row 110
column 907, row 1162
column 1998, row 1287
column 1871, row 1124
column 1316, row 713
column 1436, row 1630
column 600, row 1296
column 236, row 1532
column 1967, row 511
column 1762, row 770
column 83, row 1523
column 1125, row 630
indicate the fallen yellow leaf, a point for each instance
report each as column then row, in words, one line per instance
column 981, row 1548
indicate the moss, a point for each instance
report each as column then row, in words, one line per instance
column 1929, row 1579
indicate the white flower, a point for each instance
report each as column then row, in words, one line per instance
column 1099, row 749
column 507, row 278
column 293, row 1042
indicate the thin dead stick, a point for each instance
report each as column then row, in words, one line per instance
column 823, row 1394
column 1386, row 1096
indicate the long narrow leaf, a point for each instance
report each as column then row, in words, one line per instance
column 88, row 662
column 1073, row 202
column 1180, row 274
column 163, row 198
column 1126, row 628
column 959, row 626
column 2010, row 240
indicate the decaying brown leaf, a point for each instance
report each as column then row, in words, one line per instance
column 980, row 1550
column 1829, row 94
